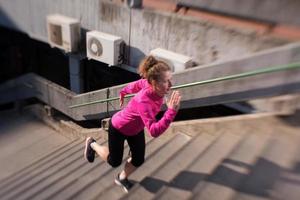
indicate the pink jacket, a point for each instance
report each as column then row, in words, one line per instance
column 141, row 111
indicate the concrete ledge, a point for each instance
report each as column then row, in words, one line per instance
column 65, row 127
column 268, row 11
column 190, row 127
column 213, row 125
column 284, row 104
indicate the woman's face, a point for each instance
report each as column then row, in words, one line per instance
column 163, row 86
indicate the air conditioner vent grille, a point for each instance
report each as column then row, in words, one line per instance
column 56, row 34
column 95, row 47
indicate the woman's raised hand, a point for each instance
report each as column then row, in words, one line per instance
column 174, row 101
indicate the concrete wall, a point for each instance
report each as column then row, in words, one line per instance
column 31, row 85
column 242, row 89
column 220, row 92
column 142, row 30
column 276, row 11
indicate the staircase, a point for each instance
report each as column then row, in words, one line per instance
column 241, row 157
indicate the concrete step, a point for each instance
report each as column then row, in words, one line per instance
column 32, row 170
column 107, row 181
column 35, row 164
column 167, row 193
column 203, row 166
column 88, row 184
column 59, row 182
column 23, row 139
column 36, row 175
column 74, row 187
column 212, row 165
column 56, row 176
column 277, row 158
column 151, row 184
column 155, row 162
column 229, row 174
column 287, row 187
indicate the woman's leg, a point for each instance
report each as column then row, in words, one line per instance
column 137, row 148
column 113, row 153
column 128, row 169
column 101, row 150
column 115, row 146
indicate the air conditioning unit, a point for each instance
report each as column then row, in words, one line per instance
column 103, row 47
column 63, row 32
column 177, row 62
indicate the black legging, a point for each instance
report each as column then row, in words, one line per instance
column 116, row 147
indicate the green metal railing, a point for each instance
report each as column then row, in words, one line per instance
column 290, row 66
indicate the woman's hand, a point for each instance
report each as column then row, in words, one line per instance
column 174, row 101
column 121, row 100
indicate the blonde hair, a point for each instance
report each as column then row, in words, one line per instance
column 151, row 69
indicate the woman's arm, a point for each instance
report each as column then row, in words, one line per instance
column 132, row 88
column 156, row 128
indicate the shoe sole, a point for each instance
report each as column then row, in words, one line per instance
column 119, row 184
column 86, row 147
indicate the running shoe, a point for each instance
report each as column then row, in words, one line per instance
column 89, row 152
column 124, row 183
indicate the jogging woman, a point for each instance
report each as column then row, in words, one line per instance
column 129, row 123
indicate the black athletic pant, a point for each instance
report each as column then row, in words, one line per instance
column 116, row 147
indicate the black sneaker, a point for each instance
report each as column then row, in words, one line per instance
column 124, row 183
column 89, row 152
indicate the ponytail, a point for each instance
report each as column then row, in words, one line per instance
column 145, row 65
column 150, row 68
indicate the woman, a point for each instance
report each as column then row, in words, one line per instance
column 128, row 124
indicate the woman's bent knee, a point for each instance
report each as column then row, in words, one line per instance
column 115, row 164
